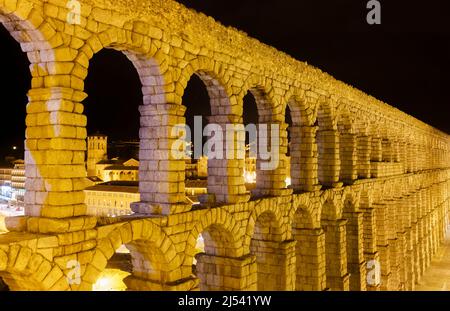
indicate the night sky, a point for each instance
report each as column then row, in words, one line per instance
column 405, row 61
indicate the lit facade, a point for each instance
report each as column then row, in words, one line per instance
column 12, row 183
column 111, row 199
column 119, row 171
column 18, row 183
column 101, row 169
column 5, row 182
column 97, row 150
column 114, row 198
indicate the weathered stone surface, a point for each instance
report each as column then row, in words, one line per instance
column 313, row 239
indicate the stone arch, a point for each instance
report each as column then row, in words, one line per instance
column 303, row 142
column 156, row 263
column 270, row 108
column 220, row 223
column 308, row 210
column 362, row 124
column 345, row 122
column 327, row 143
column 266, row 223
column 272, row 259
column 216, row 239
column 310, row 245
column 354, row 229
column 364, row 143
column 39, row 39
column 223, row 251
column 152, row 66
column 376, row 154
column 27, row 25
column 268, row 227
column 350, row 200
column 269, row 181
column 218, row 90
column 24, row 270
column 303, row 108
column 326, row 113
column 303, row 218
column 216, row 81
column 347, row 144
column 159, row 98
column 331, row 206
column 335, row 242
column 224, row 112
column 366, row 197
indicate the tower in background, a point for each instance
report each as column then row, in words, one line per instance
column 97, row 151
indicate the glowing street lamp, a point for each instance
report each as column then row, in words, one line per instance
column 288, row 181
column 250, row 177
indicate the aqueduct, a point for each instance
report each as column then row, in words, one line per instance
column 369, row 183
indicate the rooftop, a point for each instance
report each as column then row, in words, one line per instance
column 133, row 186
column 122, row 168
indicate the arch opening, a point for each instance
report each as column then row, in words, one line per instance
column 118, row 267
column 213, row 261
column 327, row 139
column 3, row 286
column 302, row 158
column 348, row 152
column 15, row 82
column 115, row 94
column 136, row 265
column 291, row 151
column 198, row 102
column 250, row 117
column 215, row 156
column 265, row 169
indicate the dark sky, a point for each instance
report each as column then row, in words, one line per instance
column 405, row 61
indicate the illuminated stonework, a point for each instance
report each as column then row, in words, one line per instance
column 369, row 184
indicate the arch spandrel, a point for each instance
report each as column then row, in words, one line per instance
column 225, row 223
column 31, row 271
column 217, row 83
column 303, row 109
column 305, row 212
column 326, row 116
column 332, row 207
column 267, row 216
column 148, row 244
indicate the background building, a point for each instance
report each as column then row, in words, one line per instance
column 118, row 170
column 97, row 146
column 114, row 198
column 12, row 182
column 102, row 169
column 18, row 184
column 5, row 180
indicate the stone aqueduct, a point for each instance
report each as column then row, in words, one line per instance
column 368, row 181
